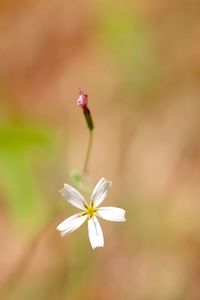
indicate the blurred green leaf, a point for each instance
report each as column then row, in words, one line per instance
column 23, row 137
column 75, row 177
column 21, row 148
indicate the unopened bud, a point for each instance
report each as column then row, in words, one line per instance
column 82, row 101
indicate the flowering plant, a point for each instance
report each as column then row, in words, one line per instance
column 90, row 210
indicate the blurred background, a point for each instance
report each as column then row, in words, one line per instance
column 139, row 61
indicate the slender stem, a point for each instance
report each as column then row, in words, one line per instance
column 88, row 152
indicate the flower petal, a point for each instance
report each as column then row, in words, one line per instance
column 115, row 214
column 73, row 196
column 100, row 191
column 70, row 224
column 95, row 233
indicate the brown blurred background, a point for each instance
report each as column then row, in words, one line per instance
column 139, row 61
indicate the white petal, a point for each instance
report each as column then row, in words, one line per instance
column 73, row 196
column 95, row 233
column 112, row 214
column 100, row 191
column 70, row 224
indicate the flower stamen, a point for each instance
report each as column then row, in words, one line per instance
column 85, row 205
column 91, row 212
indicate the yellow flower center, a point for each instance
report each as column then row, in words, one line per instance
column 90, row 211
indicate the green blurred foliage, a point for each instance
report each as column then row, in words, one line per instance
column 22, row 148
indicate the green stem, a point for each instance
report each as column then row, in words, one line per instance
column 88, row 152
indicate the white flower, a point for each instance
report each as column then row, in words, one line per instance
column 90, row 212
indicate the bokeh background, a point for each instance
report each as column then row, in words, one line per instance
column 139, row 61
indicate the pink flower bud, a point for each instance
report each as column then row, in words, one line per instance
column 82, row 100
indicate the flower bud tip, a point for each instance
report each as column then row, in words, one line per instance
column 82, row 100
